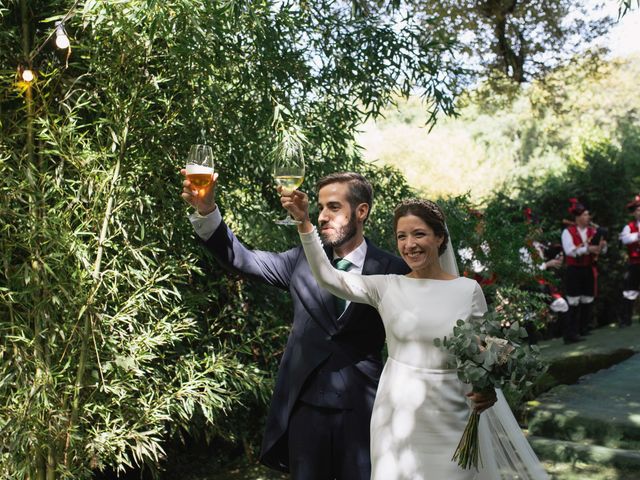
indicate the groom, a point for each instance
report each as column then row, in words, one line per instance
column 318, row 422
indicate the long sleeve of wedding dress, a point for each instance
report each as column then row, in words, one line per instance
column 350, row 286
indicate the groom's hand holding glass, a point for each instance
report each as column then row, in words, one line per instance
column 297, row 204
column 199, row 186
column 202, row 198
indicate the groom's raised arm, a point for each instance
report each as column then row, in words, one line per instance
column 272, row 268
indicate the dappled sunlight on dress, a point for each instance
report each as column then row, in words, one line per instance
column 420, row 409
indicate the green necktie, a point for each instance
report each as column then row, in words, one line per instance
column 341, row 264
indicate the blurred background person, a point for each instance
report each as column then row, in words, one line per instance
column 582, row 242
column 631, row 283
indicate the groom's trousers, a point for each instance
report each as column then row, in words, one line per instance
column 328, row 444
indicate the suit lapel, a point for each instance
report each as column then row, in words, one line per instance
column 328, row 299
column 325, row 303
column 372, row 261
column 316, row 300
column 372, row 265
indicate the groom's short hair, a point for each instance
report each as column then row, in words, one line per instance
column 360, row 190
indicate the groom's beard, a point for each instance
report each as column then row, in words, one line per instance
column 341, row 235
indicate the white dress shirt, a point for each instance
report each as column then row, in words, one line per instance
column 205, row 225
column 626, row 237
column 570, row 249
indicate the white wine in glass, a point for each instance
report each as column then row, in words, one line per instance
column 200, row 166
column 288, row 172
column 288, row 182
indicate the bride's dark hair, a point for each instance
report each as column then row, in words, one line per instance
column 429, row 212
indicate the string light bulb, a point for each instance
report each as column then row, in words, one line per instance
column 62, row 40
column 28, row 75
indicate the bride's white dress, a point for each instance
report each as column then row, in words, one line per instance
column 420, row 409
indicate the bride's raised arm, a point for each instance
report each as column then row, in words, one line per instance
column 350, row 286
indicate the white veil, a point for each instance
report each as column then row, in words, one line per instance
column 504, row 443
column 448, row 258
column 504, row 449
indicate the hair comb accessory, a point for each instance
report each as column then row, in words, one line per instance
column 431, row 207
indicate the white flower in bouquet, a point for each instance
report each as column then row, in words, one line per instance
column 500, row 346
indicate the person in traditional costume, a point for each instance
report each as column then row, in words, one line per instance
column 582, row 243
column 631, row 286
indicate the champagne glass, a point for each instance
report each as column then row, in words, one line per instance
column 200, row 166
column 288, row 172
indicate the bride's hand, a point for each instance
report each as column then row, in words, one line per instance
column 482, row 400
column 296, row 203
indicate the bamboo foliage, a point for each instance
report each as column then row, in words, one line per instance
column 116, row 331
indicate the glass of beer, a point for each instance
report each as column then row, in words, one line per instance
column 200, row 166
column 288, row 173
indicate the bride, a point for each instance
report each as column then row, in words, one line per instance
column 420, row 409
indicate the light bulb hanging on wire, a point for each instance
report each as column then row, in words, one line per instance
column 27, row 75
column 62, row 40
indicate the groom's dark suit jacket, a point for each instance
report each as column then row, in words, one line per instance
column 328, row 361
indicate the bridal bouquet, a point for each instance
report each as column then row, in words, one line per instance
column 489, row 355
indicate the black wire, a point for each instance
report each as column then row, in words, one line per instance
column 68, row 15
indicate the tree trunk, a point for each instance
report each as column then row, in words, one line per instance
column 497, row 13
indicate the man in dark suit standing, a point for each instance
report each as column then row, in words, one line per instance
column 318, row 422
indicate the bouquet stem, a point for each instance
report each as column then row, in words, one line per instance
column 467, row 453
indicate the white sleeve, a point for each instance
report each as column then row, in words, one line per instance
column 350, row 286
column 570, row 250
column 205, row 225
column 478, row 302
column 627, row 237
